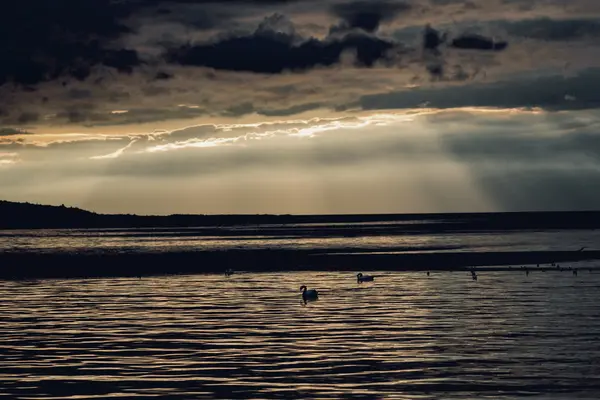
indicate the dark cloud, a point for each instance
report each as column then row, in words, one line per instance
column 165, row 3
column 42, row 40
column 433, row 39
column 135, row 116
column 282, row 112
column 548, row 92
column 248, row 108
column 12, row 131
column 366, row 15
column 477, row 42
column 554, row 30
column 198, row 16
column 155, row 45
column 436, row 70
column 273, row 49
column 239, row 110
column 79, row 94
column 28, row 117
column 162, row 75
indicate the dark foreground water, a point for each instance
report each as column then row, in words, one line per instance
column 405, row 336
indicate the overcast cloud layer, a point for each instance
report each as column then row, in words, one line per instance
column 159, row 106
column 68, row 65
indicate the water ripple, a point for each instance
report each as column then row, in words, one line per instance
column 405, row 336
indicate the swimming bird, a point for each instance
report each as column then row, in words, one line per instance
column 575, row 272
column 474, row 275
column 366, row 278
column 308, row 295
column 228, row 272
column 427, row 273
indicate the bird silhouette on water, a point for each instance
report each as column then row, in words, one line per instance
column 473, row 275
column 308, row 295
column 360, row 278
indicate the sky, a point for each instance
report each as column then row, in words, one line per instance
column 301, row 106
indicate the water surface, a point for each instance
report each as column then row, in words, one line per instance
column 381, row 238
column 405, row 336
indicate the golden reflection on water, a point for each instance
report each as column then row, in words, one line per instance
column 250, row 336
column 288, row 237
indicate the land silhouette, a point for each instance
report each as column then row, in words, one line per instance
column 23, row 264
column 15, row 215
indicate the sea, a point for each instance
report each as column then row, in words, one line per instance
column 406, row 335
column 386, row 236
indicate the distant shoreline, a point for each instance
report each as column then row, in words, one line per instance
column 56, row 265
column 32, row 265
column 15, row 215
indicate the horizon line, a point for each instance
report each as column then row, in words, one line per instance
column 368, row 214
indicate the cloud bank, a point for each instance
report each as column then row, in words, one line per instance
column 70, row 66
column 301, row 105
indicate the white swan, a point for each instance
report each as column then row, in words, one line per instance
column 360, row 278
column 308, row 295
